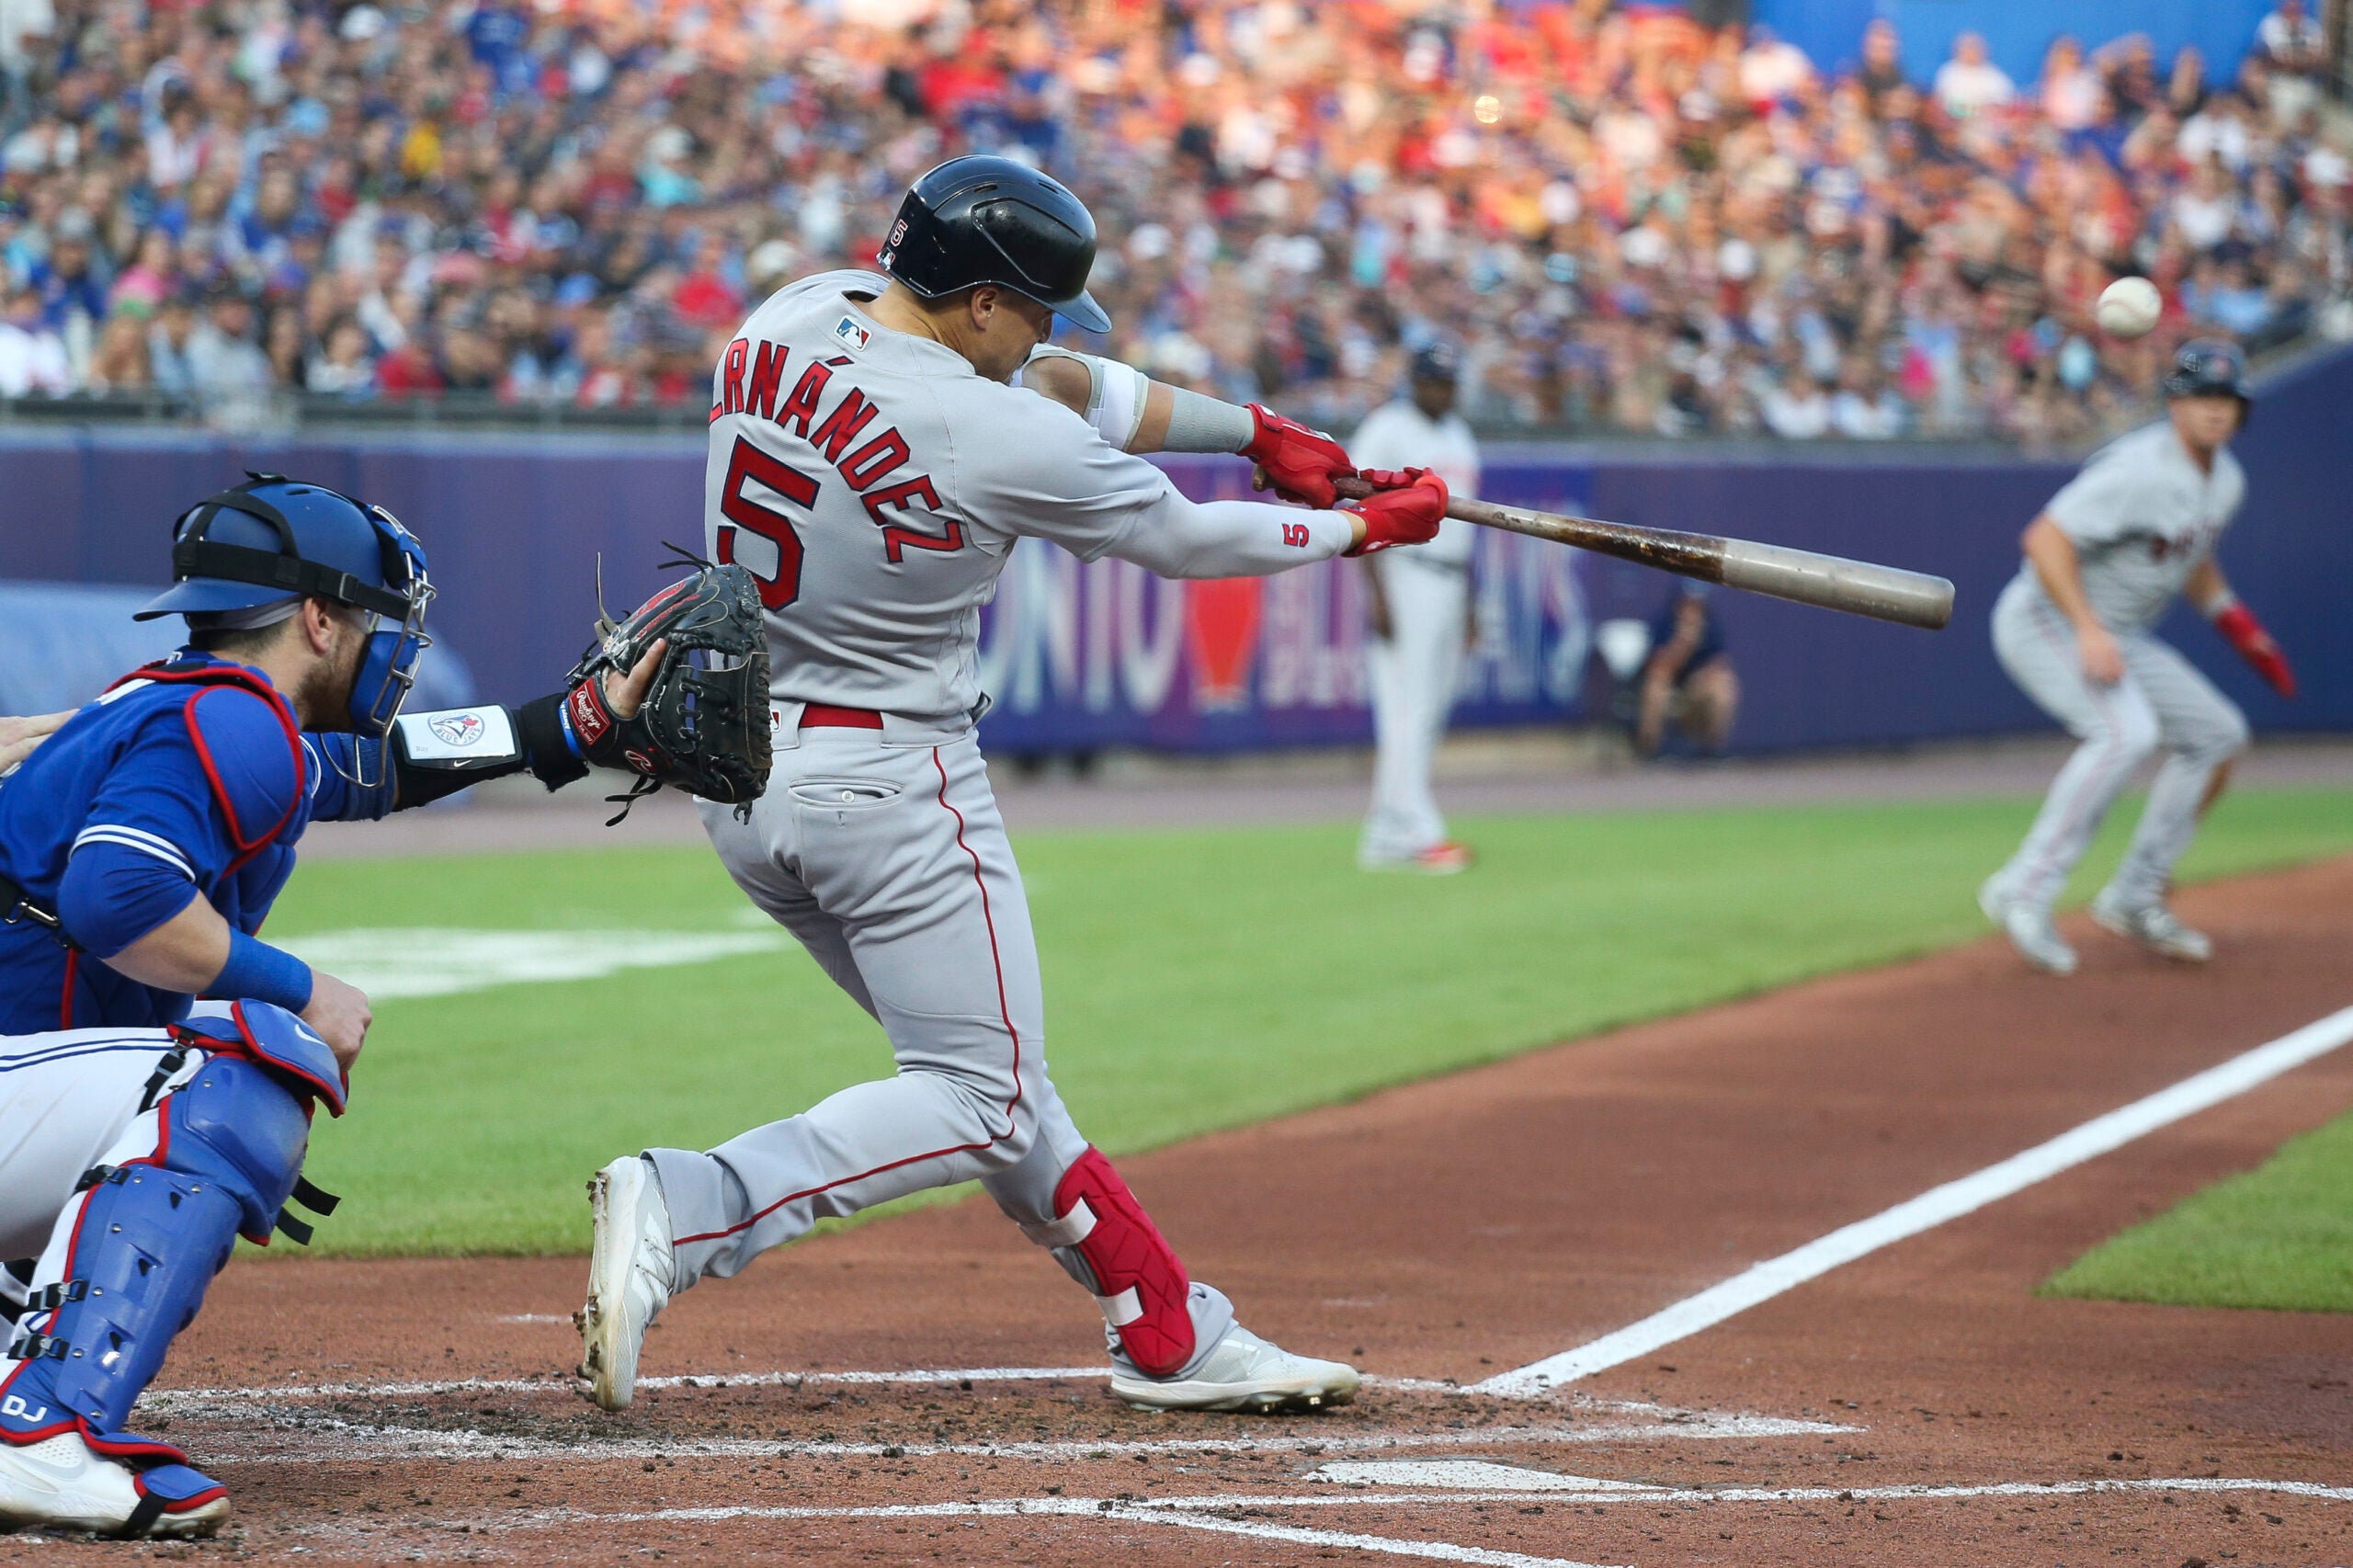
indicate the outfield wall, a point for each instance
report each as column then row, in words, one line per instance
column 1089, row 656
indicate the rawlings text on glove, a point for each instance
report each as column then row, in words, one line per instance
column 703, row 726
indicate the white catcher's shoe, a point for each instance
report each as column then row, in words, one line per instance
column 61, row 1484
column 1244, row 1372
column 2028, row 929
column 2153, row 925
column 630, row 1274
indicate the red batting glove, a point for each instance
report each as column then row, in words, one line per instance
column 1405, row 507
column 2241, row 631
column 1300, row 464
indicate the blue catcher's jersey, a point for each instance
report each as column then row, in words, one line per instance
column 188, row 768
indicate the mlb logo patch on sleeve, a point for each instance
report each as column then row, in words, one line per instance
column 850, row 332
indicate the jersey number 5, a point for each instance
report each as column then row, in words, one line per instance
column 781, row 586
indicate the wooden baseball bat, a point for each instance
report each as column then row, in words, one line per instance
column 1833, row 582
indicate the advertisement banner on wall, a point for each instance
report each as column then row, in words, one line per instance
column 1081, row 656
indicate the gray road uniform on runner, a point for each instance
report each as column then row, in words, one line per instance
column 2143, row 518
column 1413, row 670
column 876, row 485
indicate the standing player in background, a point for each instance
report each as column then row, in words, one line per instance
column 872, row 467
column 1419, row 604
column 2104, row 562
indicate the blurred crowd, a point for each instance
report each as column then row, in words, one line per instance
column 1626, row 221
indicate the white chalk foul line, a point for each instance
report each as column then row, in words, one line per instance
column 1768, row 1280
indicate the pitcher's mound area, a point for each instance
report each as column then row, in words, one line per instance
column 923, row 1389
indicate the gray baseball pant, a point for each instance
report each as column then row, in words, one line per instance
column 890, row 863
column 1412, row 672
column 2163, row 703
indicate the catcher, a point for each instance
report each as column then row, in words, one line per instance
column 141, row 845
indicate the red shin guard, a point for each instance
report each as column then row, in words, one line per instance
column 1139, row 1282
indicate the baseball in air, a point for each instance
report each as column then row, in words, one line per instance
column 2129, row 307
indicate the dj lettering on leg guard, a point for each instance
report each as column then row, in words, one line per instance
column 1109, row 1244
column 217, row 1157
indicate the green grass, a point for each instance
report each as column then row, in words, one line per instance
column 2279, row 1236
column 1194, row 979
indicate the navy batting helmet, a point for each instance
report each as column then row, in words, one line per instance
column 987, row 219
column 2207, row 367
column 1436, row 361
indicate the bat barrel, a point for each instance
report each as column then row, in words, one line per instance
column 1832, row 582
column 1858, row 588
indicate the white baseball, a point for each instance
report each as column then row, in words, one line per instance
column 2129, row 307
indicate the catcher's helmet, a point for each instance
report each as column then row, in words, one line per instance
column 274, row 538
column 987, row 219
column 2207, row 367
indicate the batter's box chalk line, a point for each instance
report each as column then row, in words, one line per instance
column 258, row 1433
column 1225, row 1513
column 261, row 1424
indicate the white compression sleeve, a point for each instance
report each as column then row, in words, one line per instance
column 1115, row 395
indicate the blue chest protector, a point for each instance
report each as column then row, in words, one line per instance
column 188, row 779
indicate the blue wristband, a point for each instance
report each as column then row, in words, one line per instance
column 571, row 740
column 258, row 973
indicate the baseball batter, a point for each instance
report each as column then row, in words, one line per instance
column 2104, row 562
column 1419, row 601
column 873, row 467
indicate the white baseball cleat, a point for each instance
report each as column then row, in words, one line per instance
column 2028, row 929
column 630, row 1274
column 2153, row 925
column 1439, row 860
column 1244, row 1372
column 60, row 1484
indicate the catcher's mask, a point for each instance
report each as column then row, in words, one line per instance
column 273, row 538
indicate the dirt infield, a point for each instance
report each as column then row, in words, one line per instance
column 914, row 1391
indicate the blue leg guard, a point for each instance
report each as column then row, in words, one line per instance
column 149, row 1237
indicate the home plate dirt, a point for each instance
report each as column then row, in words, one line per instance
column 922, row 1388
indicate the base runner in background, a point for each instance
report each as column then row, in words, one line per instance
column 1422, row 615
column 872, row 467
column 2104, row 562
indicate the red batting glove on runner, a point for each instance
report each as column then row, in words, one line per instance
column 1300, row 464
column 2241, row 631
column 1405, row 507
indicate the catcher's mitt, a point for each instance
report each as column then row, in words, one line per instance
column 704, row 724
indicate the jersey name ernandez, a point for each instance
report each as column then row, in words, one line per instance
column 751, row 377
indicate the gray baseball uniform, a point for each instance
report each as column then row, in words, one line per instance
column 2143, row 516
column 1414, row 669
column 876, row 484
